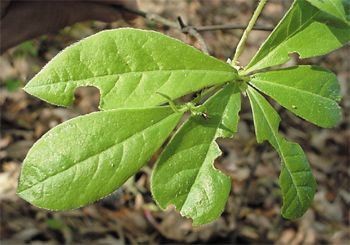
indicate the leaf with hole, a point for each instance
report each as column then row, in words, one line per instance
column 296, row 180
column 184, row 174
column 128, row 66
column 305, row 30
column 87, row 158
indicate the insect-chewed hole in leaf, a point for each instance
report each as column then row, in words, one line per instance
column 294, row 57
column 220, row 166
column 87, row 99
column 222, row 142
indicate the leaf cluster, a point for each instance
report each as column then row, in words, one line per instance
column 138, row 72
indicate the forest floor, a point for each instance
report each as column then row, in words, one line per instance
column 252, row 214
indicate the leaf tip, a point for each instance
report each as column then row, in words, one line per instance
column 291, row 216
column 55, row 98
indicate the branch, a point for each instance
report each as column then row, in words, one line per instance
column 169, row 23
column 193, row 32
column 230, row 27
column 188, row 29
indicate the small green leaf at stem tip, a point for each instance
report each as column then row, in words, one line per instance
column 128, row 66
column 86, row 158
column 310, row 92
column 306, row 22
column 296, row 180
column 184, row 174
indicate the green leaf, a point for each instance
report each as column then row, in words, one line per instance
column 128, row 66
column 296, row 180
column 88, row 157
column 13, row 84
column 338, row 8
column 305, row 30
column 184, row 174
column 27, row 48
column 308, row 91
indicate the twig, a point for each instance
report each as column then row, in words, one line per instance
column 231, row 27
column 240, row 46
column 169, row 23
column 193, row 32
column 188, row 29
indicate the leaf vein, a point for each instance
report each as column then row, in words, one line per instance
column 95, row 154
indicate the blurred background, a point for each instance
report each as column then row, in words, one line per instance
column 252, row 213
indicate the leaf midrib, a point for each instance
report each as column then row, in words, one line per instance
column 91, row 156
column 279, row 148
column 212, row 141
column 133, row 72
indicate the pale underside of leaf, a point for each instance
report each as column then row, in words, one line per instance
column 185, row 175
column 300, row 31
column 128, row 66
column 296, row 180
column 308, row 91
column 88, row 157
